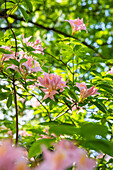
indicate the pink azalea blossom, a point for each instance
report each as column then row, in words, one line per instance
column 31, row 65
column 64, row 156
column 6, row 57
column 27, row 67
column 11, row 158
column 111, row 71
column 84, row 93
column 52, row 83
column 77, row 25
column 36, row 45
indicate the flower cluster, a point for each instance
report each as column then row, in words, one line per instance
column 77, row 25
column 30, row 65
column 84, row 93
column 52, row 83
column 65, row 156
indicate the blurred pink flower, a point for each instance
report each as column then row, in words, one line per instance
column 35, row 102
column 84, row 93
column 64, row 156
column 52, row 83
column 77, row 25
column 24, row 133
column 82, row 160
column 111, row 71
column 11, row 158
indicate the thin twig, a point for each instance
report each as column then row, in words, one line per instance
column 62, row 113
column 13, row 35
column 43, row 106
column 13, row 81
column 59, row 60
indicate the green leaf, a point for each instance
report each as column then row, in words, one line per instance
column 106, row 87
column 9, row 101
column 24, row 13
column 23, row 60
column 64, row 129
column 89, row 130
column 35, row 149
column 29, row 5
column 49, row 123
column 8, row 5
column 100, row 145
column 100, row 105
column 73, row 95
column 13, row 61
column 4, row 51
column 28, row 48
column 4, row 95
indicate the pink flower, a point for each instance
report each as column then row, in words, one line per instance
column 84, row 93
column 52, row 83
column 60, row 159
column 64, row 156
column 111, row 71
column 32, row 65
column 77, row 25
column 35, row 102
column 11, row 158
column 24, row 133
column 27, row 67
column 36, row 45
column 6, row 57
column 82, row 160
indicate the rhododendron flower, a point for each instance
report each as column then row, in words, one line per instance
column 11, row 158
column 52, row 83
column 84, row 93
column 64, row 156
column 36, row 45
column 32, row 65
column 111, row 71
column 6, row 57
column 77, row 25
column 27, row 67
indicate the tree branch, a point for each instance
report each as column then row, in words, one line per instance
column 57, row 31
